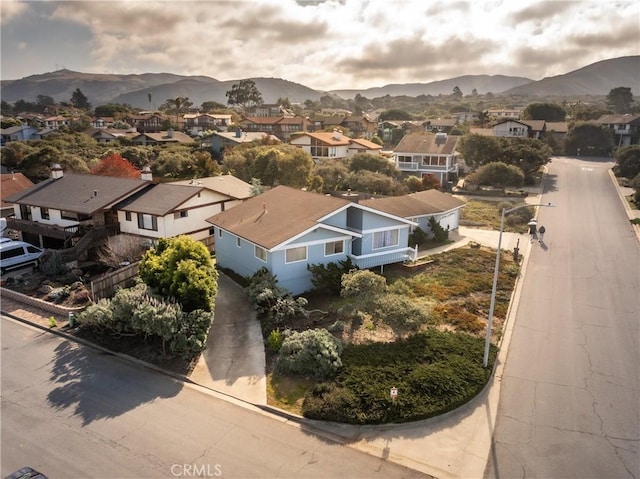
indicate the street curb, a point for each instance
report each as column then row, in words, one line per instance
column 625, row 203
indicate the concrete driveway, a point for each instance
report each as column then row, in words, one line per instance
column 233, row 362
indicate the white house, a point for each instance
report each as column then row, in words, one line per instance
column 323, row 145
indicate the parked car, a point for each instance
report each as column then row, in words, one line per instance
column 16, row 254
column 26, row 473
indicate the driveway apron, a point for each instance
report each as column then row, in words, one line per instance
column 233, row 362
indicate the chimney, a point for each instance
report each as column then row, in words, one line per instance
column 239, row 133
column 337, row 134
column 170, row 132
column 441, row 138
column 56, row 171
column 146, row 174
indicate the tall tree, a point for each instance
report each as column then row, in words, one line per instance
column 628, row 162
column 479, row 149
column 587, row 139
column 79, row 100
column 457, row 93
column 620, row 99
column 244, row 94
column 544, row 111
column 115, row 165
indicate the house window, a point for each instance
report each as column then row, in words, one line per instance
column 383, row 239
column 69, row 215
column 260, row 253
column 219, row 233
column 293, row 255
column 127, row 215
column 212, row 231
column 44, row 213
column 238, row 241
column 180, row 214
column 147, row 222
column 335, row 247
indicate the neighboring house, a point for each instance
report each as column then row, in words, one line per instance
column 197, row 123
column 161, row 138
column 285, row 230
column 504, row 113
column 281, row 126
column 102, row 122
column 165, row 210
column 421, row 206
column 58, row 212
column 557, row 130
column 422, row 154
column 270, row 109
column 221, row 141
column 57, row 122
column 318, row 123
column 234, row 189
column 519, row 129
column 466, row 116
column 12, row 183
column 323, row 145
column 360, row 126
column 109, row 135
column 18, row 133
column 625, row 128
column 145, row 123
column 439, row 125
column 360, row 145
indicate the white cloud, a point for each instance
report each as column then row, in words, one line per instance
column 336, row 44
column 9, row 9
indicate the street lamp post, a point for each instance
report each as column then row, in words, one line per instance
column 487, row 341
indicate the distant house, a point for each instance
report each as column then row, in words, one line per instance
column 285, row 230
column 360, row 126
column 18, row 133
column 625, row 128
column 109, row 135
column 197, row 123
column 519, row 129
column 421, row 206
column 12, row 184
column 221, row 141
column 360, row 145
column 145, row 123
column 281, row 126
column 102, row 122
column 557, row 130
column 161, row 138
column 439, row 125
column 422, row 154
column 323, row 145
column 500, row 113
column 270, row 109
column 58, row 121
column 318, row 123
column 466, row 116
column 234, row 189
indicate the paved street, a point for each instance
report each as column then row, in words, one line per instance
column 569, row 403
column 73, row 412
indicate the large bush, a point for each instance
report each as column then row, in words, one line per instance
column 327, row 278
column 398, row 312
column 362, row 284
column 312, row 352
column 137, row 311
column 181, row 268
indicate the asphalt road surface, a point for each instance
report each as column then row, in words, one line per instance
column 72, row 412
column 570, row 400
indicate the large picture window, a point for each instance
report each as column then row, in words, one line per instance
column 147, row 222
column 335, row 247
column 383, row 239
column 295, row 254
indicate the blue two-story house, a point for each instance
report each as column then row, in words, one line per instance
column 286, row 229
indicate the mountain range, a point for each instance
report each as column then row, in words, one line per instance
column 150, row 90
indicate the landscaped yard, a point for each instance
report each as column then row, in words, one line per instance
column 485, row 214
column 435, row 361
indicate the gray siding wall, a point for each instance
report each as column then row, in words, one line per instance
column 241, row 259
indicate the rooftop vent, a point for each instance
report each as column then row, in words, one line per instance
column 441, row 138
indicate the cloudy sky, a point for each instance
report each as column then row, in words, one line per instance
column 325, row 45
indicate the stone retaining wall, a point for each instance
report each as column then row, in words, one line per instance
column 45, row 305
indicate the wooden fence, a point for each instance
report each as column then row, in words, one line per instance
column 105, row 287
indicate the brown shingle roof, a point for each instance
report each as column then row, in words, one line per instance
column 226, row 184
column 277, row 215
column 85, row 194
column 13, row 183
column 422, row 203
column 159, row 200
column 419, row 143
column 369, row 145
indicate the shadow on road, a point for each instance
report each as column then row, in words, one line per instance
column 98, row 387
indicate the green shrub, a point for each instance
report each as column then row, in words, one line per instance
column 398, row 312
column 98, row 317
column 362, row 284
column 418, row 236
column 440, row 235
column 181, row 268
column 312, row 352
column 327, row 278
column 275, row 340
